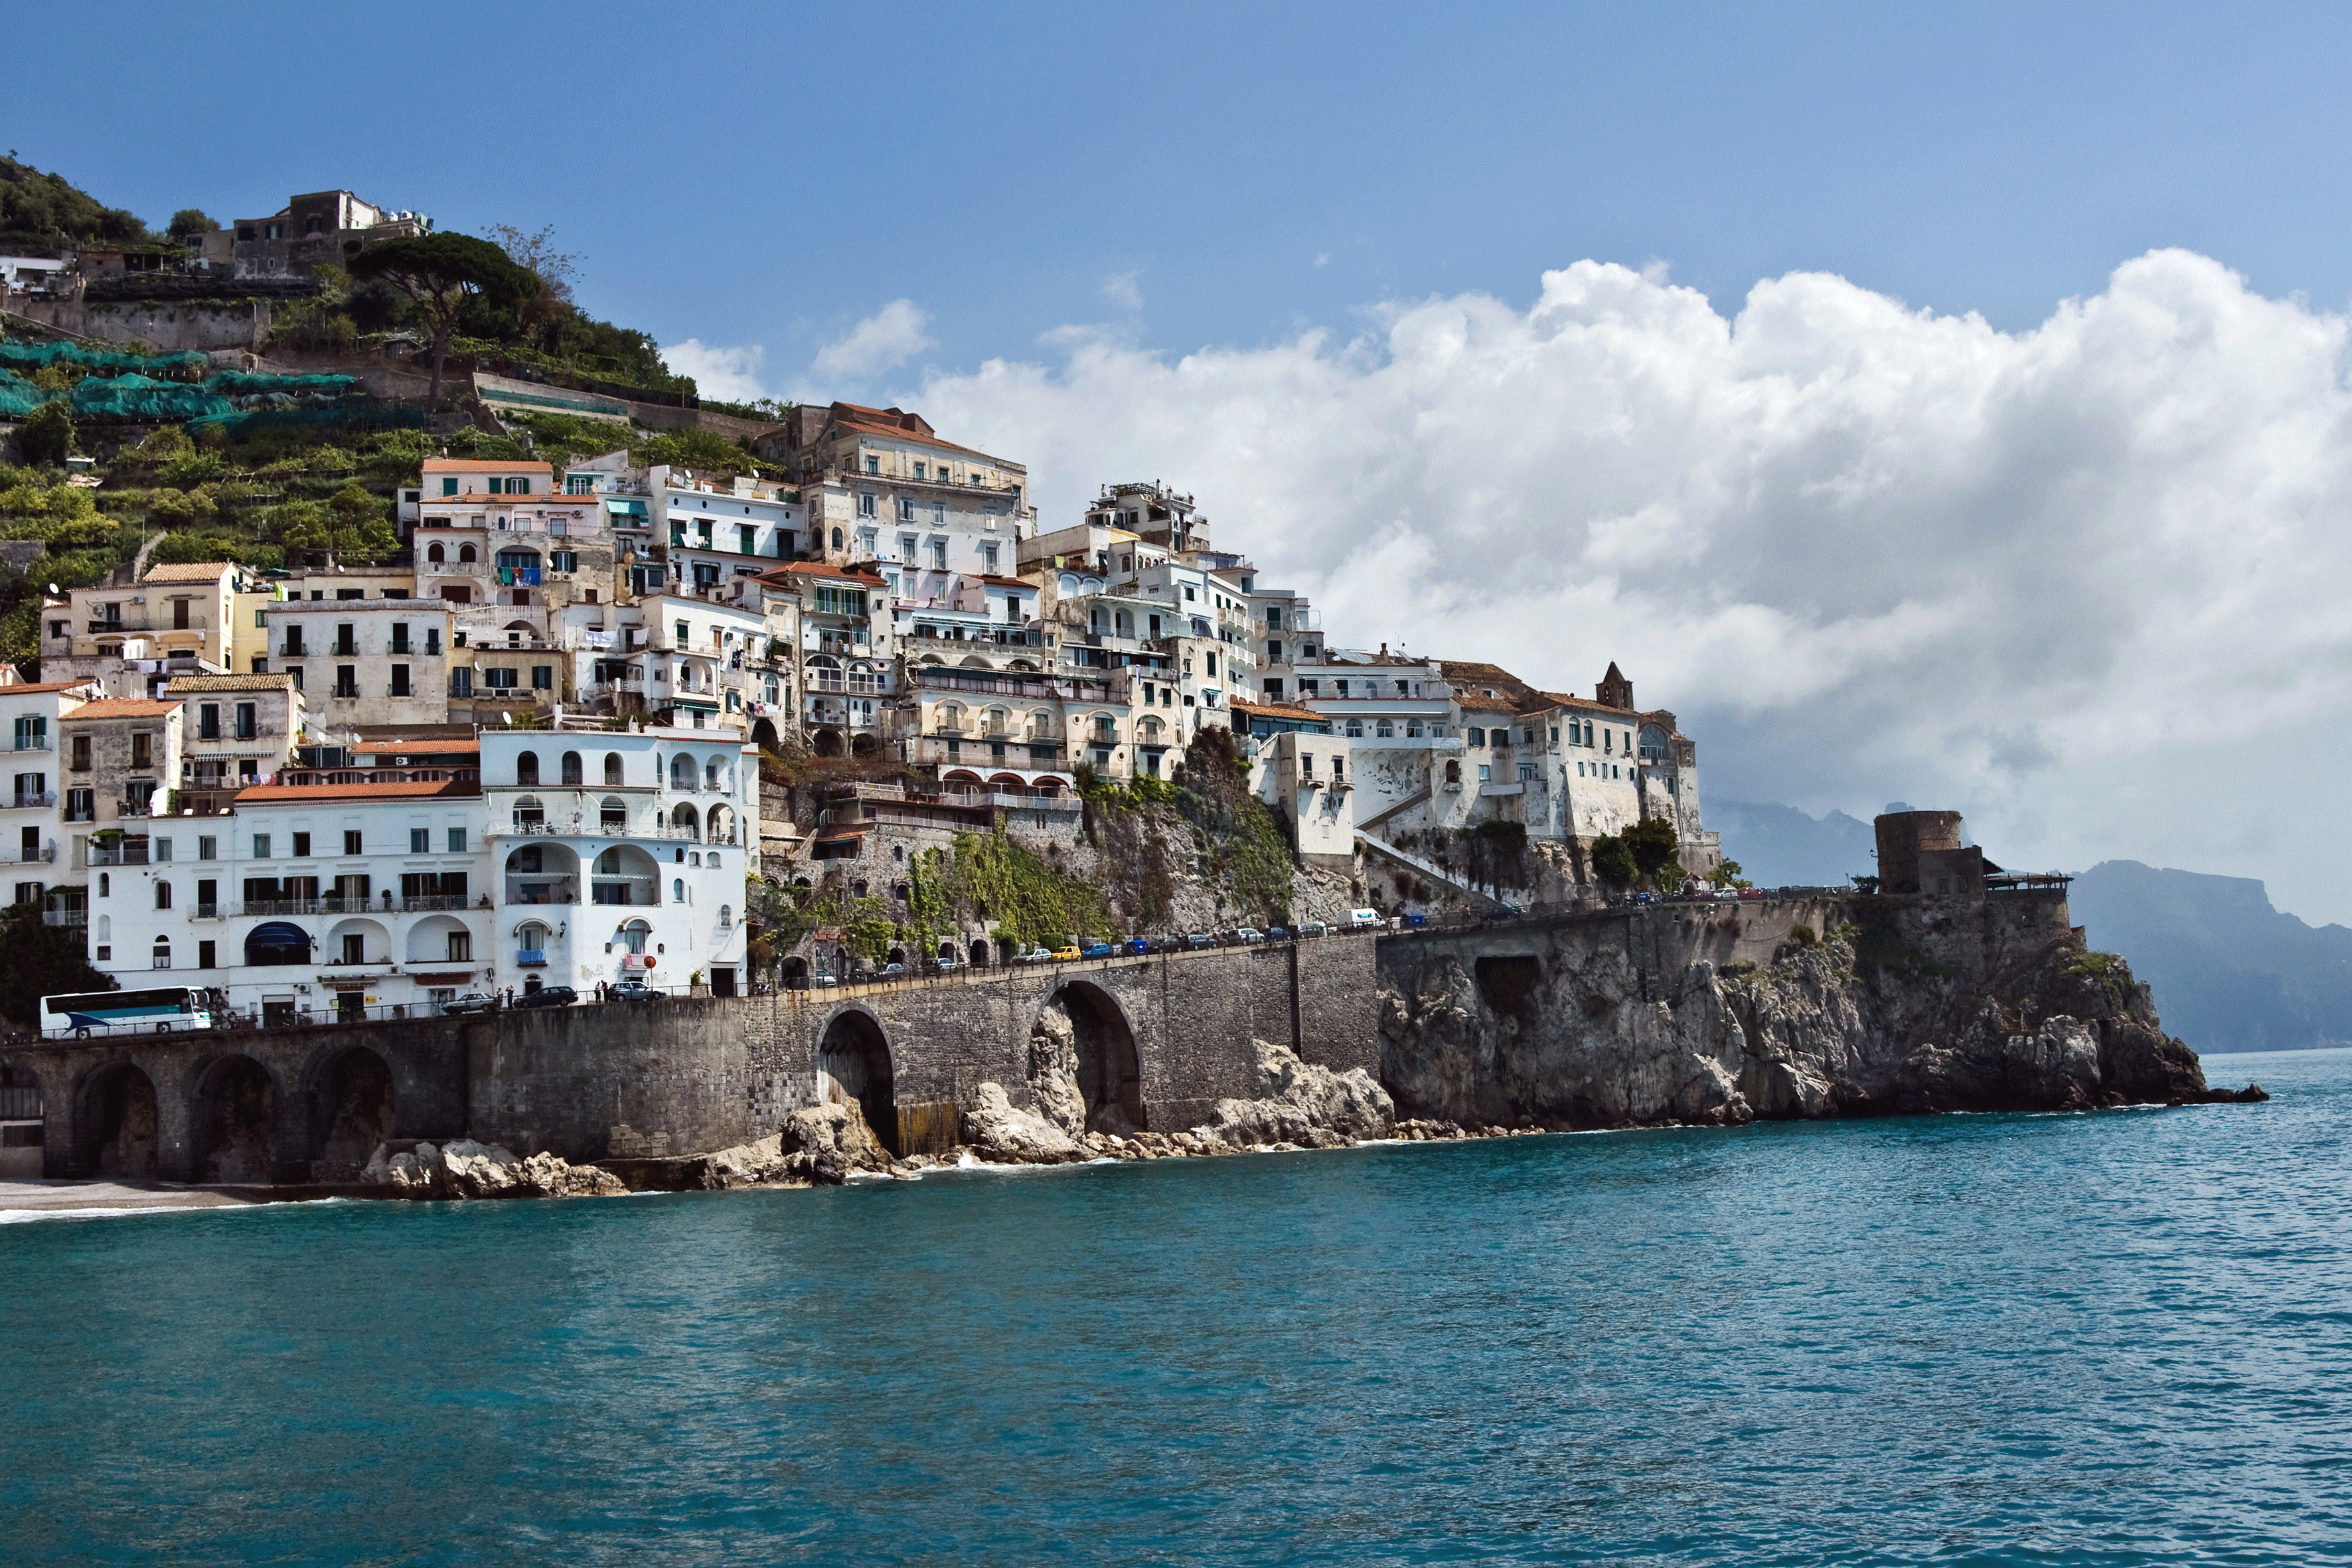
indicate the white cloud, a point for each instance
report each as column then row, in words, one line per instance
column 2086, row 583
column 890, row 337
column 718, row 371
column 1120, row 291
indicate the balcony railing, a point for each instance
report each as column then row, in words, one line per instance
column 41, row 801
column 33, row 744
column 553, row 892
column 278, row 906
column 47, row 852
column 429, row 903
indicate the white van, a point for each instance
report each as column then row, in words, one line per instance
column 1365, row 920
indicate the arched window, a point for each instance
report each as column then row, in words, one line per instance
column 1383, row 729
column 530, row 814
column 681, row 772
column 836, row 539
column 527, row 768
column 1453, row 772
column 163, row 959
column 710, row 775
column 530, row 942
column 436, row 554
column 572, row 773
column 466, row 554
column 608, row 864
column 613, row 769
column 1356, row 728
column 1041, row 724
column 613, row 816
column 105, row 928
column 677, row 884
column 951, row 716
column 686, row 819
column 635, row 935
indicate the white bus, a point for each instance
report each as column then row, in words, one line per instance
column 157, row 1011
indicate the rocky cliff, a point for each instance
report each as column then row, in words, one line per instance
column 1663, row 1015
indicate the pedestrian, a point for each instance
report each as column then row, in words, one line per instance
column 509, row 995
column 599, row 991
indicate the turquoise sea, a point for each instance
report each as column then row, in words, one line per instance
column 2118, row 1338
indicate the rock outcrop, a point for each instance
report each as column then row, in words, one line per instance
column 462, row 1168
column 1000, row 1131
column 1303, row 1105
column 1566, row 1039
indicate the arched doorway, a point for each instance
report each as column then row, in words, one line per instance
column 118, row 1124
column 981, row 956
column 827, row 743
column 351, row 1113
column 237, row 1123
column 854, row 1069
column 764, row 734
column 1083, row 1062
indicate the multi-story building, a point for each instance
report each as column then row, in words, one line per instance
column 196, row 618
column 618, row 853
column 387, row 661
column 869, row 476
column 848, row 654
column 30, row 720
column 235, row 731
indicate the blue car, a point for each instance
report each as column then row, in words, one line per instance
column 1140, row 945
column 1095, row 950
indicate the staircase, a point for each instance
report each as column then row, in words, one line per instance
column 1435, row 873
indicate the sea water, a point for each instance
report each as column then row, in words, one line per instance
column 2115, row 1338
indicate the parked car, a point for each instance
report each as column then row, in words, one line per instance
column 1364, row 920
column 1415, row 922
column 1756, row 893
column 1313, row 929
column 1034, row 955
column 1066, row 955
column 1137, row 945
column 1094, row 947
column 1195, row 941
column 548, row 996
column 891, row 968
column 945, row 965
column 1277, row 933
column 471, row 1002
column 821, row 978
column 631, row 990
column 1243, row 936
column 1166, row 944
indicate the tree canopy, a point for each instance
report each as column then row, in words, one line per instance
column 442, row 274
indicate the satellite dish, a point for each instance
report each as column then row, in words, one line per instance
column 53, row 588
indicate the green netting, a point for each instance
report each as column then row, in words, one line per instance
column 13, row 351
column 18, row 397
column 137, row 397
column 250, row 383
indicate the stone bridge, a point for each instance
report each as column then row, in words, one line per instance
column 1162, row 1037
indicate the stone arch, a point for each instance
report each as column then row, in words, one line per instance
column 1083, row 1063
column 681, row 772
column 827, row 743
column 117, row 1126
column 235, row 1128
column 764, row 734
column 853, row 1067
column 374, row 944
column 351, row 1112
column 982, row 957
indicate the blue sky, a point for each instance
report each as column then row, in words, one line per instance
column 771, row 173
column 1548, row 336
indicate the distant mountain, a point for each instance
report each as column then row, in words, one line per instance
column 1780, row 847
column 2230, row 973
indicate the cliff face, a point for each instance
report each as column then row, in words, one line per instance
column 1721, row 1015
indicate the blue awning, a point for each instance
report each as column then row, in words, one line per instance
column 633, row 508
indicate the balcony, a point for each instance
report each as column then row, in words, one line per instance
column 47, row 852
column 554, row 890
column 74, row 920
column 531, row 958
column 33, row 743
column 435, row 903
column 118, row 852
column 41, row 801
column 273, row 907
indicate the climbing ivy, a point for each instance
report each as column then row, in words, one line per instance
column 1026, row 899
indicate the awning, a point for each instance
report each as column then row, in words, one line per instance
column 694, row 704
column 631, row 507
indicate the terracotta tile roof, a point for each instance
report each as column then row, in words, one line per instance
column 481, row 465
column 123, row 707
column 230, row 684
column 864, row 576
column 432, row 748
column 31, row 689
column 276, row 794
column 1277, row 710
column 1471, row 682
column 189, row 572
column 1565, row 700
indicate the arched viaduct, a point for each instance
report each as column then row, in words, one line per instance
column 1160, row 1038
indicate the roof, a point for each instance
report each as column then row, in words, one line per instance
column 862, row 576
column 35, row 689
column 123, row 707
column 1566, row 699
column 281, row 794
column 900, row 425
column 1020, row 582
column 484, row 466
column 432, row 748
column 1278, row 710
column 1471, row 682
column 230, row 684
column 190, row 572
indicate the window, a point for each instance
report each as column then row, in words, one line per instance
column 400, row 680
column 301, row 846
column 678, row 891
column 1477, row 736
column 563, row 561
column 420, row 841
column 247, row 721
column 611, row 767
column 347, row 680
column 500, row 680
column 1484, row 773
column 81, row 762
column 543, row 677
column 162, row 895
column 352, row 841
column 207, row 847
column 431, row 641
column 449, row 485
column 527, row 768
column 461, row 683
column 457, row 841
column 261, row 846
column 142, row 750
column 163, row 954
column 865, row 503
column 461, row 946
column 1384, row 730
column 207, row 722
column 206, row 955
column 938, row 554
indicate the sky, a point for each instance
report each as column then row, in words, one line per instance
column 1928, row 403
